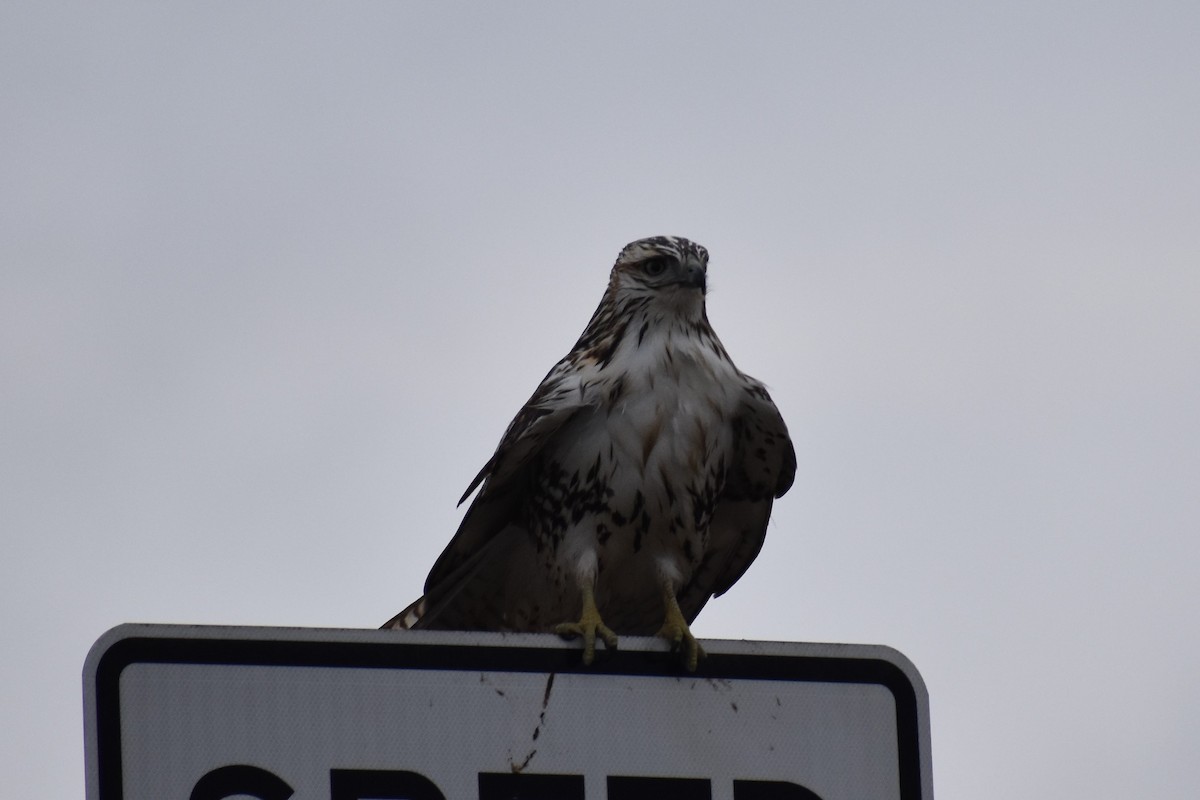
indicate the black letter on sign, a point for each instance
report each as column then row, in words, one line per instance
column 622, row 787
column 238, row 779
column 381, row 784
column 772, row 790
column 521, row 786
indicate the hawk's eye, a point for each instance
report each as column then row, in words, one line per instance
column 655, row 266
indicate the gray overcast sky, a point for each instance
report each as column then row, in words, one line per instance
column 276, row 276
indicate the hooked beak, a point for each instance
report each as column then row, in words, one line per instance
column 695, row 278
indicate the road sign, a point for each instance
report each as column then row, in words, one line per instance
column 208, row 713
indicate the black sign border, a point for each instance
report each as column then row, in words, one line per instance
column 399, row 654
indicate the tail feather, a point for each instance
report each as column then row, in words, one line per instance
column 408, row 618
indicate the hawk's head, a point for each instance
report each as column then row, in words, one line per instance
column 656, row 282
column 667, row 270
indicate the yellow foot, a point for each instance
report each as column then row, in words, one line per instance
column 589, row 627
column 682, row 642
column 675, row 630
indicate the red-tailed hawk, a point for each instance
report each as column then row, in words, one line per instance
column 633, row 486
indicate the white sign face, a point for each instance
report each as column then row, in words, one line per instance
column 209, row 713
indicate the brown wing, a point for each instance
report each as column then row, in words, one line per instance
column 504, row 482
column 762, row 469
